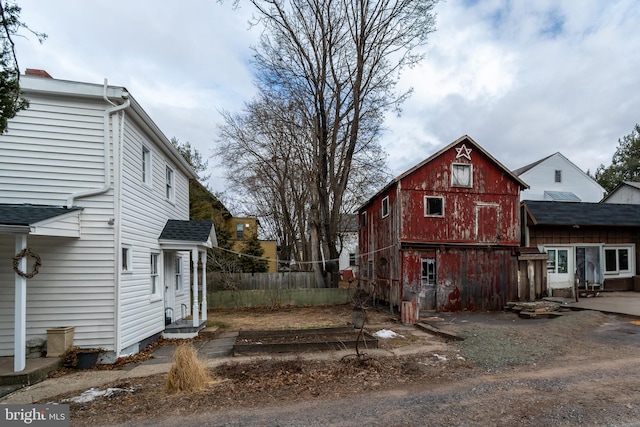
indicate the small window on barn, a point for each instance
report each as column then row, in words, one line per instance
column 558, row 176
column 239, row 231
column 385, row 207
column 363, row 219
column 461, row 175
column 433, row 206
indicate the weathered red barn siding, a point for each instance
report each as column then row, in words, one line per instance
column 468, row 278
column 465, row 219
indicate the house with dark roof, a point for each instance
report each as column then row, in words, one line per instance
column 595, row 244
column 627, row 192
column 444, row 234
column 556, row 178
column 94, row 222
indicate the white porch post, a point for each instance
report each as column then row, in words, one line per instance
column 20, row 322
column 203, row 260
column 194, row 313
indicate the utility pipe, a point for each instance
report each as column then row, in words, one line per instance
column 107, row 153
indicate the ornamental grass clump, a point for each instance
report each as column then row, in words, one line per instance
column 187, row 374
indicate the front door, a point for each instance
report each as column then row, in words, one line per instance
column 169, row 290
column 588, row 266
column 428, row 277
column 560, row 267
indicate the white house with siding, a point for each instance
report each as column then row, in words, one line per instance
column 92, row 189
column 556, row 178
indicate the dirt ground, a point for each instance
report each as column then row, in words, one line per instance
column 493, row 368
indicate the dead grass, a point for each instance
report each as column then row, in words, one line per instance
column 187, row 374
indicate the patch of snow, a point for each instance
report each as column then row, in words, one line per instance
column 440, row 358
column 93, row 394
column 385, row 333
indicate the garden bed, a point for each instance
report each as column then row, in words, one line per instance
column 301, row 340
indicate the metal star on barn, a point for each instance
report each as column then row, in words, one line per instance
column 463, row 151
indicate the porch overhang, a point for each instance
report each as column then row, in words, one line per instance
column 40, row 220
column 196, row 237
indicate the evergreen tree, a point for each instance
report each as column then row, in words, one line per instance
column 625, row 164
column 253, row 263
column 11, row 100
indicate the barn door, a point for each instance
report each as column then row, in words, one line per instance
column 487, row 223
column 428, row 277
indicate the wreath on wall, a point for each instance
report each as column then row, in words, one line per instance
column 37, row 262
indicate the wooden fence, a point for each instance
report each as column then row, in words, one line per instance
column 260, row 281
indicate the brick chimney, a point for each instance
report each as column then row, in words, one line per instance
column 37, row 73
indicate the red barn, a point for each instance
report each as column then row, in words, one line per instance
column 444, row 234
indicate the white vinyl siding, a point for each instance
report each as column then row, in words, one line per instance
column 144, row 213
column 64, row 153
column 53, row 149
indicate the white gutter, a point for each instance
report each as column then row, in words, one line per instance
column 107, row 161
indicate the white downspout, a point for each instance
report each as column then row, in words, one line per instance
column 107, row 153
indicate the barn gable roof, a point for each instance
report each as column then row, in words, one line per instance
column 463, row 139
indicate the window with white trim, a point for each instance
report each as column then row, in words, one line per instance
column 126, row 264
column 178, row 273
column 385, row 207
column 461, row 175
column 558, row 175
column 617, row 260
column 433, row 206
column 170, row 191
column 155, row 277
column 352, row 259
column 146, row 166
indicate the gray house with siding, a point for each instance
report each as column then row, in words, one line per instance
column 94, row 222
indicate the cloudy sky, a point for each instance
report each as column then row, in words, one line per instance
column 523, row 78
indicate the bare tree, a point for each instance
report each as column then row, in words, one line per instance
column 336, row 63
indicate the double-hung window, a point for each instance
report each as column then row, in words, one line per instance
column 170, row 190
column 146, row 166
column 155, row 285
column 178, row 272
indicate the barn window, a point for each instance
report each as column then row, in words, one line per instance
column 433, row 206
column 558, row 176
column 385, row 207
column 363, row 219
column 461, row 175
column 239, row 231
column 428, row 274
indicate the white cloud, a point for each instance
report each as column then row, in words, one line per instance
column 523, row 78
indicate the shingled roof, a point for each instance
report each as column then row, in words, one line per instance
column 26, row 215
column 188, row 231
column 583, row 214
